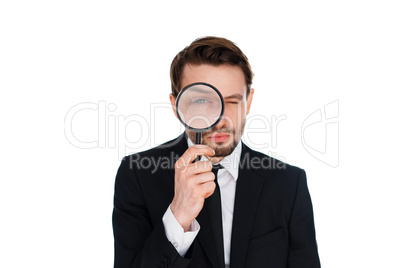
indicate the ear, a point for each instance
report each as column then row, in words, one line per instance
column 173, row 102
column 249, row 100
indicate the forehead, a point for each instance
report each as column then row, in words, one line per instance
column 227, row 79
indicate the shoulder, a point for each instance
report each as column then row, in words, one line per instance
column 164, row 149
column 269, row 167
column 261, row 162
column 278, row 178
column 164, row 155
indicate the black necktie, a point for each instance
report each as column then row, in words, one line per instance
column 215, row 213
column 215, row 169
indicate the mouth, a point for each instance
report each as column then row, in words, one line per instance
column 219, row 137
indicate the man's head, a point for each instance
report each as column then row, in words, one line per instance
column 221, row 63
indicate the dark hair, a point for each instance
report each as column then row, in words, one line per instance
column 209, row 50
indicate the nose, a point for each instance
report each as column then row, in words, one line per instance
column 225, row 122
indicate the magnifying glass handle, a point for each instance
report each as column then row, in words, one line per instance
column 197, row 141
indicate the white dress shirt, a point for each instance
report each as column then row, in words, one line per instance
column 227, row 178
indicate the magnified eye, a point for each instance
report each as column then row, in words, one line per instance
column 200, row 101
column 200, row 106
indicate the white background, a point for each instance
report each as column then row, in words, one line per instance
column 56, row 199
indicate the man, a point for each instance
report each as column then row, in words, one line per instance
column 169, row 211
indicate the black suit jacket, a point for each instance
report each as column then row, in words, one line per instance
column 273, row 223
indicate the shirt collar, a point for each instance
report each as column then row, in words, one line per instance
column 230, row 163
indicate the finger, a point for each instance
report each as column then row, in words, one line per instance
column 199, row 167
column 202, row 178
column 191, row 153
column 209, row 188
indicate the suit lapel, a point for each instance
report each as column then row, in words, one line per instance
column 248, row 191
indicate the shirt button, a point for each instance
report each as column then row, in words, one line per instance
column 167, row 260
column 175, row 244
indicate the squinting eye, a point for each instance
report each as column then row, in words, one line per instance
column 232, row 102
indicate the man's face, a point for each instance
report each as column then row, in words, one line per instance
column 230, row 81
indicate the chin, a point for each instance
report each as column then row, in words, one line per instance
column 224, row 149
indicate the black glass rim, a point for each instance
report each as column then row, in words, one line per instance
column 220, row 116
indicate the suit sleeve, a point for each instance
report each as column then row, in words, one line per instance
column 139, row 242
column 302, row 242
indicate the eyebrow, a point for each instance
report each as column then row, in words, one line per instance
column 200, row 90
column 234, row 96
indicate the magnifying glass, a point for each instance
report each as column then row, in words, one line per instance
column 199, row 107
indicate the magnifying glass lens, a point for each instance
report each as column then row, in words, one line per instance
column 200, row 106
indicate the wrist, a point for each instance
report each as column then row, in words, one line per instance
column 183, row 221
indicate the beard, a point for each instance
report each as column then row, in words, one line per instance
column 221, row 149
